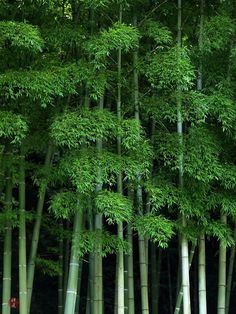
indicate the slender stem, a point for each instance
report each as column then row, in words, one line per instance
column 22, row 240
column 180, row 293
column 202, row 275
column 230, row 274
column 77, row 306
column 202, row 253
column 98, row 269
column 222, row 274
column 120, row 256
column 36, row 231
column 90, row 290
column 7, row 253
column 131, row 304
column 143, row 244
column 184, row 241
column 72, row 284
column 126, row 294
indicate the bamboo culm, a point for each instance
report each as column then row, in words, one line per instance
column 36, row 231
column 131, row 304
column 202, row 275
column 184, row 241
column 7, row 254
column 22, row 240
column 222, row 274
column 98, row 267
column 180, row 293
column 230, row 273
column 120, row 256
column 71, row 292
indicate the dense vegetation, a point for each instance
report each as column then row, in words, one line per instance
column 117, row 156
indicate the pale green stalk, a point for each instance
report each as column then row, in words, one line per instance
column 126, row 294
column 120, row 256
column 180, row 293
column 222, row 274
column 98, row 270
column 36, row 231
column 7, row 251
column 202, row 275
column 230, row 273
column 22, row 240
column 142, row 241
column 72, row 284
column 143, row 274
column 154, row 278
column 131, row 305
column 79, row 287
column 202, row 253
column 90, row 289
column 184, row 241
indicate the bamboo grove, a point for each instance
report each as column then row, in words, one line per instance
column 117, row 156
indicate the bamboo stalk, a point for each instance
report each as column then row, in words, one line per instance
column 98, row 274
column 77, row 306
column 126, row 294
column 142, row 241
column 202, row 275
column 7, row 250
column 22, row 240
column 98, row 269
column 90, row 296
column 131, row 304
column 120, row 256
column 230, row 273
column 71, row 291
column 222, row 274
column 202, row 253
column 180, row 293
column 184, row 241
column 36, row 231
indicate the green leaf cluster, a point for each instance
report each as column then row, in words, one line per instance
column 156, row 228
column 20, row 36
column 64, row 204
column 114, row 206
column 74, row 128
column 12, row 126
column 171, row 69
column 99, row 242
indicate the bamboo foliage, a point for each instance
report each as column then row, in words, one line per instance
column 134, row 104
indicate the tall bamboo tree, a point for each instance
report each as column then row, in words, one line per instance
column 120, row 256
column 202, row 254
